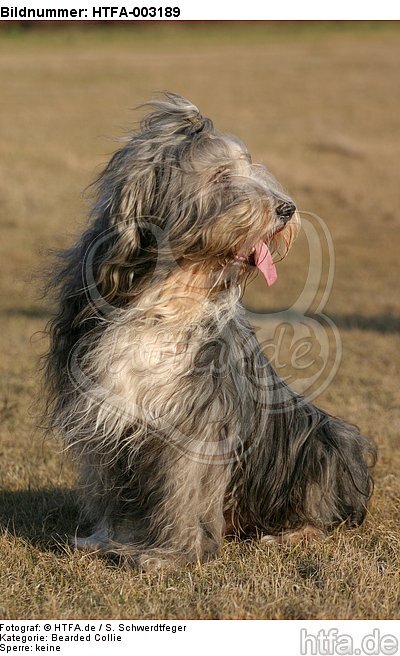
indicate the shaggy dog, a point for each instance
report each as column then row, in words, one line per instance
column 181, row 429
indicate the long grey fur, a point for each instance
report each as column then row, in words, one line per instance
column 181, row 429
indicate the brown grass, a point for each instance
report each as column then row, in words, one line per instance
column 319, row 105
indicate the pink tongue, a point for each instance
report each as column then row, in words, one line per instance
column 264, row 263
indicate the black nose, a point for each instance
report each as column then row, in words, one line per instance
column 285, row 211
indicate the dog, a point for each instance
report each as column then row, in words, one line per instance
column 180, row 428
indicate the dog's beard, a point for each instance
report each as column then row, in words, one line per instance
column 282, row 239
column 274, row 247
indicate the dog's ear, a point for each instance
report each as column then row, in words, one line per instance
column 125, row 192
column 123, row 212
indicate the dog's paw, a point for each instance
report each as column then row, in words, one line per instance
column 149, row 563
column 293, row 537
column 88, row 544
column 270, row 539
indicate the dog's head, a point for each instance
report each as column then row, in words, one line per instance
column 180, row 193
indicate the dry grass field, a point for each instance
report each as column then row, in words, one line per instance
column 320, row 106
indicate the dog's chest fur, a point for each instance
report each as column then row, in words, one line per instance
column 197, row 382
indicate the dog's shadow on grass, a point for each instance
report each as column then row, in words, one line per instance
column 381, row 323
column 45, row 518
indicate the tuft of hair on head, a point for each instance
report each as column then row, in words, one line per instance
column 173, row 114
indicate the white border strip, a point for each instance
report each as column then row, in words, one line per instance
column 86, row 637
column 132, row 10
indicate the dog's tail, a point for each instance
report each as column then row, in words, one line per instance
column 300, row 465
